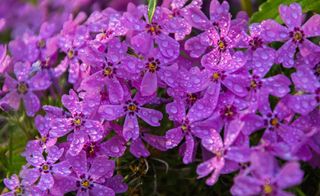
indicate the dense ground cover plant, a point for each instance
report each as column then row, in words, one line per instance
column 108, row 101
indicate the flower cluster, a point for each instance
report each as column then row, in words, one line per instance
column 219, row 87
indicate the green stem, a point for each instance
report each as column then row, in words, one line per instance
column 246, row 6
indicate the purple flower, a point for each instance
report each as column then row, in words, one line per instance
column 294, row 34
column 225, row 156
column 264, row 177
column 177, row 13
column 79, row 121
column 131, row 108
column 44, row 168
column 187, row 126
column 17, row 188
column 24, row 87
column 307, row 83
column 276, row 123
column 90, row 178
column 149, row 32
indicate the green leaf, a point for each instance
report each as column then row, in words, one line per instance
column 269, row 9
column 151, row 9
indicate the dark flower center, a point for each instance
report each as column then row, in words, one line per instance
column 255, row 43
column 45, row 167
column 22, row 88
column 153, row 28
column 297, row 35
column 222, row 45
column 77, row 121
column 105, row 35
column 191, row 98
column 228, row 112
column 41, row 43
column 152, row 65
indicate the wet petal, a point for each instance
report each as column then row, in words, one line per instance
column 291, row 15
column 100, row 190
column 101, row 167
column 31, row 103
column 115, row 91
column 114, row 147
column 150, row 116
column 278, row 85
column 138, row 149
column 78, row 141
column 111, row 112
column 149, row 84
column 130, row 127
column 62, row 168
column 272, row 31
column 174, row 137
column 94, row 129
column 74, row 71
column 46, row 181
column 189, row 150
column 54, row 154
column 312, row 27
column 197, row 19
column 22, row 71
column 285, row 54
column 302, row 104
column 168, row 46
column 289, row 175
column 41, row 81
column 213, row 142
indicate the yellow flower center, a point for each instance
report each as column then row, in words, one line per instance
column 45, row 167
column 152, row 67
column 274, row 121
column 215, row 76
column 184, row 127
column 132, row 107
column 297, row 36
column 107, row 71
column 44, row 139
column 18, row 190
column 267, row 189
column 77, row 121
column 253, row 84
column 221, row 45
column 70, row 54
column 85, row 183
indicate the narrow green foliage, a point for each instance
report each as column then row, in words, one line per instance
column 151, row 9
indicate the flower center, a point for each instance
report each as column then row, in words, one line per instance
column 153, row 28
column 107, row 71
column 44, row 139
column 22, row 88
column 191, row 98
column 70, row 53
column 274, row 121
column 77, row 121
column 222, row 45
column 255, row 43
column 228, row 112
column 267, row 189
column 18, row 191
column 152, row 65
column 41, row 43
column 297, row 35
column 45, row 167
column 85, row 183
column 132, row 107
column 184, row 127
